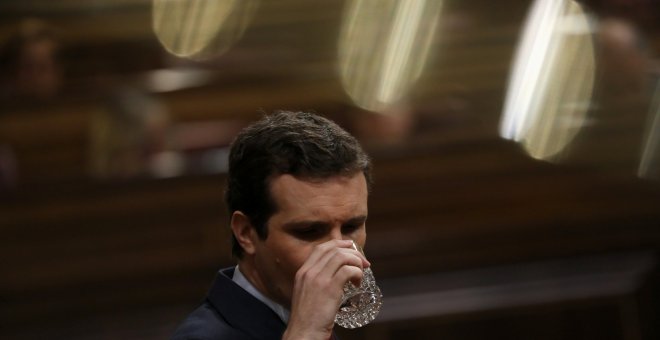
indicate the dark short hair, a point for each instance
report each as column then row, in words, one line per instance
column 302, row 144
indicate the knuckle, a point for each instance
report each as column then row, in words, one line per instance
column 302, row 275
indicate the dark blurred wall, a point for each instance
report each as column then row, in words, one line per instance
column 469, row 236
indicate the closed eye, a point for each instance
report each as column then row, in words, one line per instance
column 353, row 226
column 309, row 233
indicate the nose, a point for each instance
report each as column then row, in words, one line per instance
column 336, row 234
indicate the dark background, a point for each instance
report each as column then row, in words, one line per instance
column 469, row 237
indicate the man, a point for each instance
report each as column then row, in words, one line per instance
column 297, row 194
column 30, row 67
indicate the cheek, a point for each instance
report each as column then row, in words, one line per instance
column 281, row 256
column 292, row 259
column 296, row 259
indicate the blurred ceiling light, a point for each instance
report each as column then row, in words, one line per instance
column 649, row 166
column 552, row 79
column 167, row 80
column 200, row 29
column 383, row 46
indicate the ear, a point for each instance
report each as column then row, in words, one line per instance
column 244, row 232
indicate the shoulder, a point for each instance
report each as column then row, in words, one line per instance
column 206, row 323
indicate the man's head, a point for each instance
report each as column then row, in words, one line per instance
column 303, row 145
column 29, row 61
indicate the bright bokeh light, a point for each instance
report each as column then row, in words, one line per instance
column 167, row 80
column 200, row 29
column 649, row 166
column 383, row 46
column 552, row 79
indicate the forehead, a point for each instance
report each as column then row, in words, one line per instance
column 305, row 198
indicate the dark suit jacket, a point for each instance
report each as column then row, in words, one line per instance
column 230, row 313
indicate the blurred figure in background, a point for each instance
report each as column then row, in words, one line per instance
column 391, row 127
column 624, row 57
column 130, row 137
column 29, row 62
column 628, row 50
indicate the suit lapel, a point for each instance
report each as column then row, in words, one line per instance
column 242, row 310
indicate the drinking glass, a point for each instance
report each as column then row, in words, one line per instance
column 359, row 305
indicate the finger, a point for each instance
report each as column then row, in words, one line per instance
column 317, row 261
column 349, row 273
column 321, row 250
column 344, row 257
column 326, row 267
column 334, row 254
column 360, row 250
column 337, row 263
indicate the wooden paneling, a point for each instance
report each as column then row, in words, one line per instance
column 83, row 258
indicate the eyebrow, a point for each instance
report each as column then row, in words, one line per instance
column 356, row 220
column 305, row 223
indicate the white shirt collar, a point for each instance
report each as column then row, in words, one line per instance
column 243, row 282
